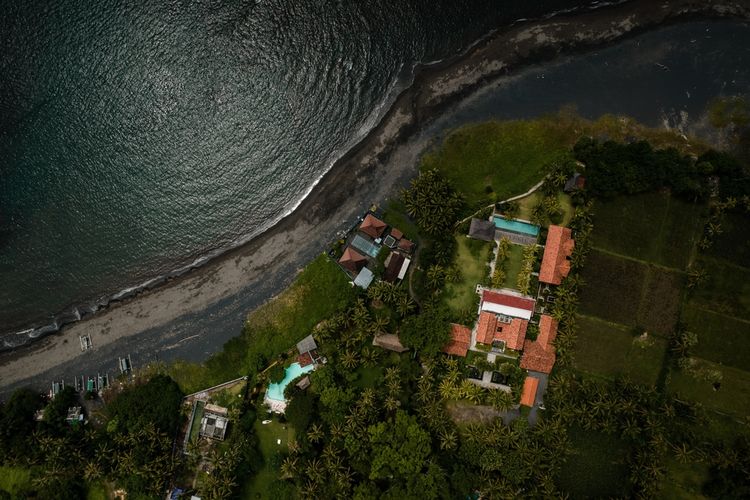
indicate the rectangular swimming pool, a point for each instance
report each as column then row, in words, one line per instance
column 276, row 391
column 365, row 246
column 516, row 226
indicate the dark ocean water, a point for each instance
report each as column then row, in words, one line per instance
column 140, row 138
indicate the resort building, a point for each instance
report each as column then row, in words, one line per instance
column 507, row 303
column 539, row 355
column 390, row 342
column 482, row 230
column 364, row 278
column 576, row 183
column 352, row 260
column 214, row 422
column 372, row 226
column 460, row 341
column 501, row 331
column 557, row 252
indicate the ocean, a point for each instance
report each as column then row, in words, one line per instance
column 140, row 139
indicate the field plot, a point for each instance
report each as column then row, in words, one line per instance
column 471, row 260
column 660, row 303
column 612, row 350
column 613, row 288
column 732, row 397
column 721, row 339
column 733, row 244
column 653, row 227
column 683, row 480
column 596, row 469
column 727, row 289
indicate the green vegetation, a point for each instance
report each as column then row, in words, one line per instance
column 154, row 403
column 721, row 338
column 654, row 227
column 612, row 350
column 15, row 480
column 471, row 259
column 263, row 484
column 597, row 467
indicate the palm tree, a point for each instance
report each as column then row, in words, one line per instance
column 349, row 360
column 314, row 470
column 405, row 305
column 448, row 439
column 379, row 323
column 435, row 276
column 315, row 433
column 289, row 468
column 391, row 404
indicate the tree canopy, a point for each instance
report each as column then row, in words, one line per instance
column 427, row 332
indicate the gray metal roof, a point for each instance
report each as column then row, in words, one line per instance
column 364, row 278
column 482, row 230
column 306, row 345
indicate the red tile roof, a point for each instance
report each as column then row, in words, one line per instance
column 528, row 395
column 490, row 329
column 396, row 233
column 405, row 245
column 555, row 264
column 508, row 300
column 372, row 226
column 487, row 327
column 547, row 331
column 460, row 340
column 304, row 359
column 352, row 260
column 539, row 355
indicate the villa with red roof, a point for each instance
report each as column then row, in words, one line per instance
column 372, row 226
column 352, row 260
column 508, row 304
column 557, row 251
column 539, row 355
column 490, row 330
column 460, row 340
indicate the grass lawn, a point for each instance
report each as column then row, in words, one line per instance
column 727, row 289
column 512, row 266
column 683, row 480
column 654, row 227
column 493, row 161
column 471, row 259
column 733, row 397
column 196, row 427
column 610, row 350
column 395, row 215
column 97, row 491
column 527, row 203
column 721, row 339
column 260, row 485
column 15, row 480
column 596, row 469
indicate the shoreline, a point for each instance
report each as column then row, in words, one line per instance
column 347, row 189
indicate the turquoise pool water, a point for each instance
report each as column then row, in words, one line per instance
column 276, row 391
column 516, row 226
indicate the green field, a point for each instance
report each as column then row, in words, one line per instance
column 683, row 480
column 268, row 435
column 654, row 227
column 596, row 469
column 727, row 289
column 527, row 203
column 612, row 350
column 659, row 309
column 733, row 243
column 733, row 397
column 721, row 339
column 471, row 259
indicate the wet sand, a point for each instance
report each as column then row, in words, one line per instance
column 172, row 321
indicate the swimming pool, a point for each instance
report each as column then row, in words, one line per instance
column 516, row 226
column 365, row 246
column 276, row 391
